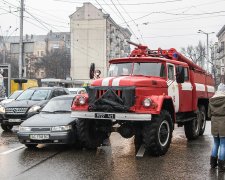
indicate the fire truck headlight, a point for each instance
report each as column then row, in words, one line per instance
column 147, row 102
column 82, row 100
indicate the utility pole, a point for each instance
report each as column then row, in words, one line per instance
column 21, row 41
column 207, row 46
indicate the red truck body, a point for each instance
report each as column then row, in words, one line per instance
column 151, row 92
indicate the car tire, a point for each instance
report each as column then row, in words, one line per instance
column 157, row 134
column 88, row 135
column 6, row 127
column 31, row 146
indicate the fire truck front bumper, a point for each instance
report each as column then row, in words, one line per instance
column 112, row 116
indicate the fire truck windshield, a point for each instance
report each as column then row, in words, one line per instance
column 140, row 68
column 149, row 69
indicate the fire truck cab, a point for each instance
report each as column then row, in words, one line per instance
column 145, row 94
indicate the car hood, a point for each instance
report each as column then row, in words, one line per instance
column 26, row 103
column 47, row 119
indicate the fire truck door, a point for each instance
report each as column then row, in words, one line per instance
column 186, row 93
column 173, row 90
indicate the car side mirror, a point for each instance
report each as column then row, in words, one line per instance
column 180, row 74
column 92, row 71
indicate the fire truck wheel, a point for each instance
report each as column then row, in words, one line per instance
column 157, row 134
column 6, row 127
column 88, row 134
column 202, row 116
column 192, row 129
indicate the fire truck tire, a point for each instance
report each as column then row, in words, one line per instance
column 6, row 127
column 88, row 134
column 157, row 134
column 192, row 129
column 202, row 114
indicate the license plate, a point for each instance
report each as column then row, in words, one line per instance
column 14, row 120
column 39, row 136
column 104, row 116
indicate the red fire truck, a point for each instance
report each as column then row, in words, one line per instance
column 145, row 94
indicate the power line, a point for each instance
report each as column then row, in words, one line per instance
column 112, row 10
column 127, row 4
column 202, row 4
column 132, row 21
column 125, row 21
column 37, row 20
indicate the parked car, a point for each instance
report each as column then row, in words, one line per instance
column 77, row 90
column 11, row 97
column 53, row 125
column 29, row 103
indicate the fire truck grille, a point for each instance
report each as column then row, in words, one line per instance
column 111, row 99
column 15, row 111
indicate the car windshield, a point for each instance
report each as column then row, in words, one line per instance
column 36, row 95
column 15, row 94
column 58, row 105
column 140, row 68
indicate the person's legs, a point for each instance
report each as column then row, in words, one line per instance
column 214, row 155
column 222, row 149
column 216, row 145
column 221, row 159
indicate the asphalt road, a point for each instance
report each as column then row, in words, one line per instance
column 184, row 160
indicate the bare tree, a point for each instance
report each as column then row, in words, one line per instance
column 56, row 64
column 196, row 54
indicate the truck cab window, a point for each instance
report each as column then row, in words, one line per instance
column 186, row 74
column 170, row 72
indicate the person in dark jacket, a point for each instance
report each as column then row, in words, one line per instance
column 216, row 112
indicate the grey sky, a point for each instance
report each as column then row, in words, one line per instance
column 161, row 23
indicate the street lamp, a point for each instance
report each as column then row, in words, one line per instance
column 207, row 45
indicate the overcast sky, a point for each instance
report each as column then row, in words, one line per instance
column 157, row 23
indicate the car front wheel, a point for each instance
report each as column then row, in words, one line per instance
column 6, row 127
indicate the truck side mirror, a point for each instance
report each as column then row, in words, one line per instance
column 180, row 74
column 92, row 71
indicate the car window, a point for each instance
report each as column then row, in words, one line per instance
column 40, row 95
column 34, row 94
column 15, row 94
column 58, row 105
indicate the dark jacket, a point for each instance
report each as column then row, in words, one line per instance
column 216, row 112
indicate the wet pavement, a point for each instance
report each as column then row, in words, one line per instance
column 184, row 160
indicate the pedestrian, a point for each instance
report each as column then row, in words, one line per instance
column 216, row 112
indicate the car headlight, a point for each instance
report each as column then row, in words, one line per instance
column 24, row 129
column 34, row 108
column 62, row 128
column 82, row 100
column 147, row 102
column 2, row 110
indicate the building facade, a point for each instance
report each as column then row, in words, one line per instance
column 95, row 38
column 220, row 50
column 35, row 47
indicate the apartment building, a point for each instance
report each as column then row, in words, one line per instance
column 220, row 50
column 35, row 47
column 95, row 38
